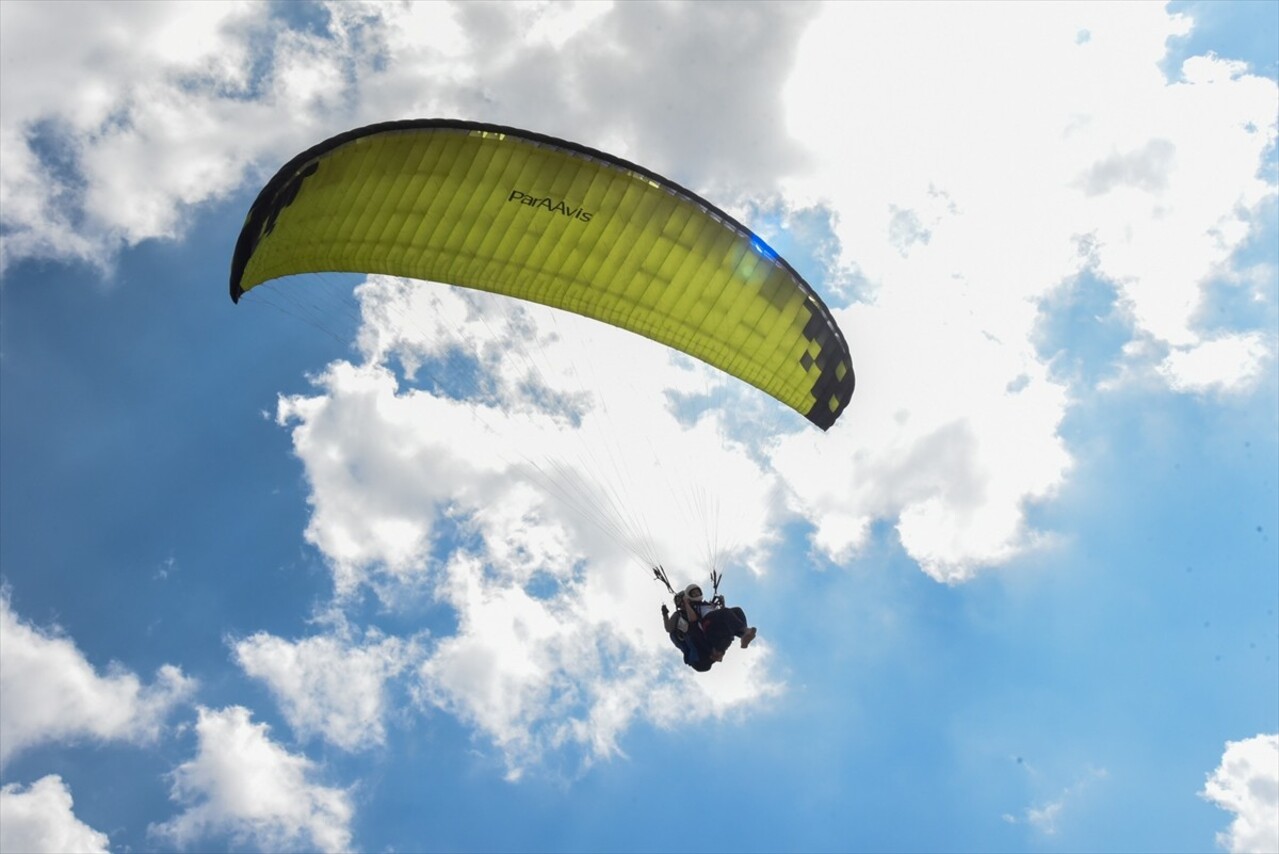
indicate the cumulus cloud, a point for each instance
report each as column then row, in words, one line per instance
column 575, row 671
column 958, row 214
column 1171, row 172
column 333, row 686
column 40, row 819
column 244, row 785
column 127, row 91
column 124, row 121
column 958, row 202
column 533, row 510
column 556, row 454
column 1231, row 363
column 170, row 106
column 953, row 445
column 1246, row 783
column 49, row 692
column 961, row 201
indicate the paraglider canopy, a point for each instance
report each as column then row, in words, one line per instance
column 538, row 218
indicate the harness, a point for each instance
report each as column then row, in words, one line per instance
column 681, row 620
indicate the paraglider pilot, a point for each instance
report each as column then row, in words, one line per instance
column 703, row 630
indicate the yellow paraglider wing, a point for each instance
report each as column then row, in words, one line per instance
column 537, row 218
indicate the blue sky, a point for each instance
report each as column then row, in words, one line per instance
column 1023, row 597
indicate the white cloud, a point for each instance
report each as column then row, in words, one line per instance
column 1046, row 816
column 243, row 784
column 40, row 819
column 536, row 675
column 1231, row 363
column 108, row 95
column 49, row 692
column 559, row 406
column 1246, row 783
column 960, row 199
column 1037, row 141
column 952, row 445
column 333, row 686
column 170, row 105
column 548, row 509
column 556, row 23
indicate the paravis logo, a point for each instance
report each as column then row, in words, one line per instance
column 548, row 203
